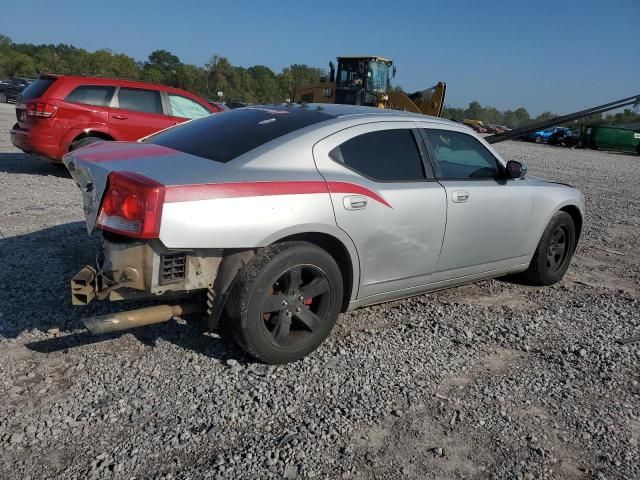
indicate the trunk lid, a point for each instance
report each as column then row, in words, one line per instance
column 90, row 167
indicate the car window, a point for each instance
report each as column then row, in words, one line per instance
column 227, row 135
column 385, row 155
column 37, row 88
column 461, row 156
column 99, row 95
column 186, row 108
column 140, row 100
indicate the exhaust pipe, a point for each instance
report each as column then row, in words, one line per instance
column 115, row 322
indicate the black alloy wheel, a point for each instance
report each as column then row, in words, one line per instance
column 285, row 301
column 296, row 305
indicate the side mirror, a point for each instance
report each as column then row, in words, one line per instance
column 516, row 169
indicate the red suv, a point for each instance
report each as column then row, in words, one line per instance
column 58, row 113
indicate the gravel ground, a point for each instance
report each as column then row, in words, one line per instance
column 491, row 380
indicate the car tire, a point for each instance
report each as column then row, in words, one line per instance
column 285, row 302
column 553, row 254
column 3, row 98
column 538, row 139
column 83, row 142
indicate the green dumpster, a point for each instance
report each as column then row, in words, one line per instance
column 618, row 138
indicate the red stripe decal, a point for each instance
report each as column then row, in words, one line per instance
column 190, row 193
column 103, row 153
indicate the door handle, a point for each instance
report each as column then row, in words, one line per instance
column 119, row 117
column 460, row 196
column 355, row 202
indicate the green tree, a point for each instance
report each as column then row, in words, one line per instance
column 162, row 66
column 296, row 76
column 264, row 84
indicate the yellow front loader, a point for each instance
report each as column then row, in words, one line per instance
column 366, row 81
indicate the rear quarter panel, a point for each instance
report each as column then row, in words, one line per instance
column 200, row 215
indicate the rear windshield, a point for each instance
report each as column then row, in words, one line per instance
column 37, row 88
column 227, row 135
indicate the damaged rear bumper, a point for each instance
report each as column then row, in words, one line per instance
column 133, row 269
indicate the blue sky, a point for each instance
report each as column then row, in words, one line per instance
column 541, row 54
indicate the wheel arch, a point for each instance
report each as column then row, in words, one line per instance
column 576, row 216
column 234, row 260
column 339, row 251
column 89, row 133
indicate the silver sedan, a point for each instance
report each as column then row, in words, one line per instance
column 275, row 219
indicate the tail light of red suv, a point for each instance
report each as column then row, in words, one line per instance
column 41, row 109
column 132, row 205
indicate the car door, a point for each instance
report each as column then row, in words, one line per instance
column 184, row 108
column 386, row 199
column 488, row 216
column 138, row 112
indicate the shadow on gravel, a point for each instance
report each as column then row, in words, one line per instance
column 35, row 274
column 23, row 163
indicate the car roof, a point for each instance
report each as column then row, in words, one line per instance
column 343, row 111
column 119, row 82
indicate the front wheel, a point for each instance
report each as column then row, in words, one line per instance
column 553, row 254
column 285, row 302
column 538, row 139
column 3, row 98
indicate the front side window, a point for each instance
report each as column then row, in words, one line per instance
column 460, row 156
column 140, row 100
column 186, row 108
column 385, row 155
column 99, row 95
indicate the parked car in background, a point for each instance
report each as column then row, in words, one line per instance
column 550, row 135
column 59, row 113
column 223, row 107
column 10, row 91
column 234, row 105
column 277, row 218
column 571, row 139
column 497, row 129
column 476, row 125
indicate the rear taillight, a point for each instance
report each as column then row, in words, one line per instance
column 132, row 205
column 41, row 109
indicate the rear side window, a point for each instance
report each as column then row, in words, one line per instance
column 460, row 156
column 186, row 108
column 37, row 88
column 385, row 155
column 140, row 100
column 227, row 135
column 99, row 95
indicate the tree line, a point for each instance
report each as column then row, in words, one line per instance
column 520, row 117
column 256, row 84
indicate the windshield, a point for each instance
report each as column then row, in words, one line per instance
column 227, row 135
column 378, row 77
column 372, row 75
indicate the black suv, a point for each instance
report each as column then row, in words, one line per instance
column 10, row 91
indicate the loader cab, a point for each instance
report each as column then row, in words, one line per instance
column 362, row 80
